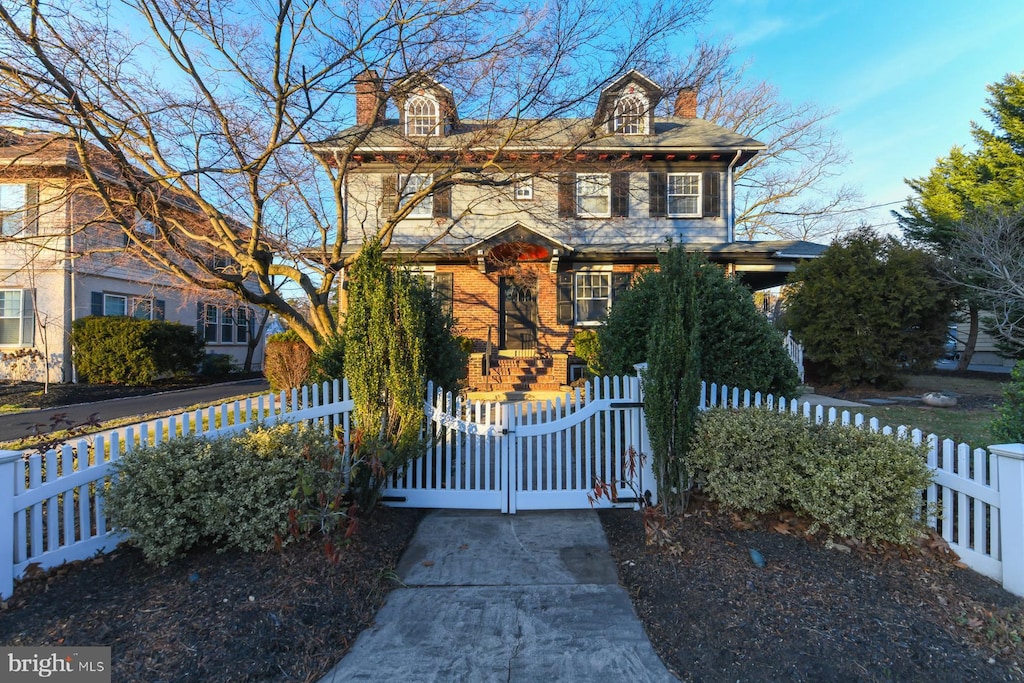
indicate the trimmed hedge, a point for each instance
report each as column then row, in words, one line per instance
column 121, row 350
column 232, row 492
column 856, row 482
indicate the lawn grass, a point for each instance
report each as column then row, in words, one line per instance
column 972, row 427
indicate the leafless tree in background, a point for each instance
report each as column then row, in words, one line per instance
column 198, row 116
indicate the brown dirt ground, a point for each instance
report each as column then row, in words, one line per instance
column 814, row 612
column 286, row 616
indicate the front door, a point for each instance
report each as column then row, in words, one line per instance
column 517, row 310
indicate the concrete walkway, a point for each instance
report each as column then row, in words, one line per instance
column 491, row 597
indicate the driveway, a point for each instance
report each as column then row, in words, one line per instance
column 17, row 425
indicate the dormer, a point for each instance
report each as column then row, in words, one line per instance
column 425, row 107
column 626, row 107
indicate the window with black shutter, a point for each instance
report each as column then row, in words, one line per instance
column 444, row 290
column 620, row 194
column 565, row 305
column 657, row 194
column 620, row 283
column 712, row 194
column 443, row 202
column 389, row 195
column 566, row 195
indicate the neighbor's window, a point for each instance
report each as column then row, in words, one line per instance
column 16, row 318
column 409, row 186
column 593, row 296
column 593, row 194
column 133, row 306
column 630, row 115
column 421, row 116
column 524, row 188
column 684, row 194
column 225, row 324
column 13, row 209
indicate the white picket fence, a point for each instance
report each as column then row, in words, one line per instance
column 979, row 493
column 51, row 504
column 528, row 455
column 796, row 353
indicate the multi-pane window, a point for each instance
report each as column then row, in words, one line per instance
column 16, row 318
column 133, row 306
column 225, row 324
column 409, row 186
column 593, row 194
column 593, row 295
column 13, row 209
column 524, row 188
column 630, row 115
column 684, row 194
column 421, row 116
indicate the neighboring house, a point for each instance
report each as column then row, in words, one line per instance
column 535, row 242
column 59, row 261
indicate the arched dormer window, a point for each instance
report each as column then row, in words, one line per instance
column 631, row 114
column 420, row 116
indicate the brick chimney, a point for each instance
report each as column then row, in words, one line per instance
column 686, row 104
column 370, row 101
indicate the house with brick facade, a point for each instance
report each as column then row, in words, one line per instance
column 533, row 227
column 61, row 259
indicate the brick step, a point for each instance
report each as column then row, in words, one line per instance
column 524, row 386
column 521, row 362
column 525, row 372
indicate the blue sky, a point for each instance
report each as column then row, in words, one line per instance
column 905, row 77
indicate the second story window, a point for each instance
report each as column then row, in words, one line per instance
column 524, row 188
column 684, row 194
column 420, row 116
column 14, row 205
column 631, row 115
column 410, row 185
column 593, row 194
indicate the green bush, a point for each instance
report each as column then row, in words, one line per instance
column 861, row 483
column 745, row 458
column 120, row 350
column 328, row 363
column 856, row 482
column 587, row 348
column 738, row 345
column 1008, row 426
column 218, row 365
column 232, row 492
column 868, row 309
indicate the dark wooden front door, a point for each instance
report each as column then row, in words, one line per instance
column 517, row 310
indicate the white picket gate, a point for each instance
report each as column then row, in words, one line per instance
column 537, row 455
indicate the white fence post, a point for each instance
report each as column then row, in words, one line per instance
column 1010, row 466
column 647, row 480
column 9, row 469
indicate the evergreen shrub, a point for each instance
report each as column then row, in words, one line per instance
column 863, row 484
column 746, row 458
column 1008, row 426
column 328, row 362
column 856, row 482
column 121, row 350
column 231, row 492
column 738, row 345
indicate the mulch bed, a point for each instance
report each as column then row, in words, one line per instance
column 815, row 611
column 286, row 616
